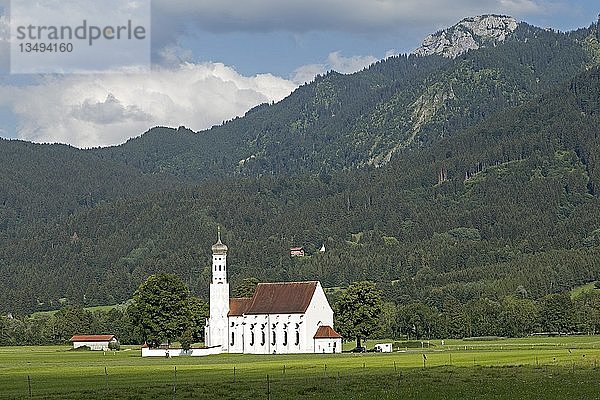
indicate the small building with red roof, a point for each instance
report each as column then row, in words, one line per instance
column 297, row 252
column 94, row 342
column 327, row 340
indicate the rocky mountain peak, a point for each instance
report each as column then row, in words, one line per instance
column 469, row 34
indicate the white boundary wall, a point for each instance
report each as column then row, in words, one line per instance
column 148, row 352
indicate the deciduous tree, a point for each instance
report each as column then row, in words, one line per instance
column 357, row 311
column 162, row 308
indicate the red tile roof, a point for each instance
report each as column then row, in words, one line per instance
column 282, row 298
column 239, row 306
column 92, row 338
column 326, row 332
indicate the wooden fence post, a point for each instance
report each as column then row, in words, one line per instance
column 174, row 382
column 268, row 388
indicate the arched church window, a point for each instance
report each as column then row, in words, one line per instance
column 297, row 337
column 262, row 342
column 252, row 337
column 274, row 338
column 285, row 337
column 232, row 338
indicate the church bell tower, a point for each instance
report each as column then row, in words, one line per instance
column 217, row 332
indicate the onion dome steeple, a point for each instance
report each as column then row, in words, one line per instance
column 219, row 247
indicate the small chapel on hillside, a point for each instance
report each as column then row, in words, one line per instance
column 286, row 317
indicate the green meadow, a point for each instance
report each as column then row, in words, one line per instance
column 529, row 368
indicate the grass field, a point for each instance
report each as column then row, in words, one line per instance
column 91, row 309
column 530, row 368
column 579, row 290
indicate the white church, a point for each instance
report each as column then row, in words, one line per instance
column 288, row 317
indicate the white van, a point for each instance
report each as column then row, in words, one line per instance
column 383, row 348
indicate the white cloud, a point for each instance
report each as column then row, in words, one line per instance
column 175, row 55
column 391, row 53
column 348, row 65
column 4, row 43
column 336, row 62
column 523, row 7
column 107, row 109
column 307, row 73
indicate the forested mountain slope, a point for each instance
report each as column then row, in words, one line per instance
column 509, row 204
column 340, row 122
column 40, row 182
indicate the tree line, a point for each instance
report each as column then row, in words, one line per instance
column 163, row 311
column 512, row 316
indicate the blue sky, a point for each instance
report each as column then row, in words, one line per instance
column 282, row 51
column 215, row 59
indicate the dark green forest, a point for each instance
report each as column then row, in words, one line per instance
column 460, row 183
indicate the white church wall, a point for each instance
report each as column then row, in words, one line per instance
column 319, row 313
column 260, row 328
column 252, row 336
column 286, row 333
column 237, row 334
column 290, row 331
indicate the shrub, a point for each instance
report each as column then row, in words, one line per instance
column 114, row 345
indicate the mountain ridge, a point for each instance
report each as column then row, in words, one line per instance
column 470, row 33
column 354, row 121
